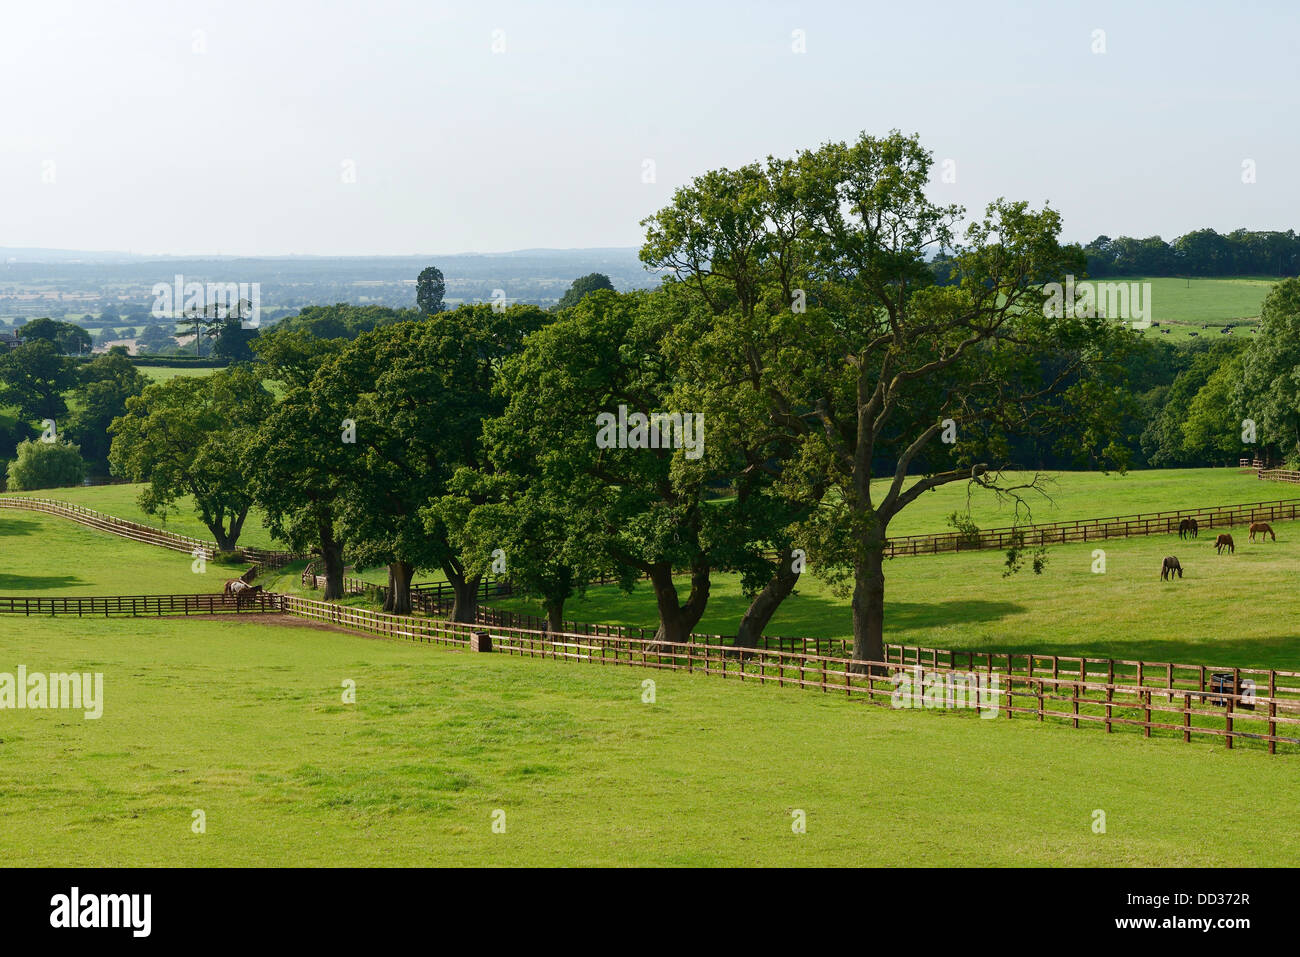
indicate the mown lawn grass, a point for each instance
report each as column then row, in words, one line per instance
column 246, row 723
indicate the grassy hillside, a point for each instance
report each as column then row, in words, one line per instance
column 1068, row 496
column 120, row 501
column 1204, row 306
column 43, row 555
column 164, row 373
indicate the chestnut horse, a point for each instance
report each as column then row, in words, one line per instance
column 1169, row 567
column 1262, row 528
column 1225, row 541
column 241, row 591
column 1187, row 527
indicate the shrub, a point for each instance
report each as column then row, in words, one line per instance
column 46, row 465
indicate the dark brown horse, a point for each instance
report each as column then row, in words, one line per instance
column 1225, row 541
column 1262, row 529
column 242, row 591
column 248, row 595
column 1168, row 569
column 1187, row 527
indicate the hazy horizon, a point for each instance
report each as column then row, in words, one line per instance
column 300, row 129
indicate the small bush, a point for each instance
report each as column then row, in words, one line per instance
column 46, row 465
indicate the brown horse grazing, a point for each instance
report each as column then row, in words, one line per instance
column 1225, row 541
column 1263, row 528
column 1169, row 567
column 1187, row 527
column 234, row 586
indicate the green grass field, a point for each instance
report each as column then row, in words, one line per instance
column 244, row 720
column 1203, row 306
column 963, row 602
column 246, row 723
column 121, row 501
column 1069, row 496
column 44, row 555
column 166, row 373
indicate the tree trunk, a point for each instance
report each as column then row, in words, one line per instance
column 555, row 616
column 390, row 593
column 766, row 602
column 676, row 621
column 464, row 607
column 332, row 555
column 399, row 579
column 869, row 606
column 225, row 543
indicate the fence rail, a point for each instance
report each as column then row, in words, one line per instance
column 1095, row 529
column 1179, row 700
column 1280, row 475
column 146, row 534
column 137, row 606
column 1237, row 705
column 430, row 597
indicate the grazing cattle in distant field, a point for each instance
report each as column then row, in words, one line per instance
column 1262, row 529
column 1225, row 541
column 1169, row 567
column 1187, row 527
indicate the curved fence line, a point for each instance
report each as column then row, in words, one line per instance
column 145, row 534
column 1094, row 529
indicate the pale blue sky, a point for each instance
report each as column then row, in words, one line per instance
column 205, row 127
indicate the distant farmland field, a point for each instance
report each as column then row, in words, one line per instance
column 1203, row 306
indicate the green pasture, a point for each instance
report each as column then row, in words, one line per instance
column 1204, row 306
column 1233, row 610
column 44, row 555
column 246, row 723
column 244, row 720
column 167, row 373
column 122, row 501
column 1071, row 496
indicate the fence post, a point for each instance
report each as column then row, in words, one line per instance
column 1272, row 712
column 1110, row 690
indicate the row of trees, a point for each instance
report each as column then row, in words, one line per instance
column 1202, row 252
column 1205, row 414
column 800, row 322
column 38, row 381
column 837, row 384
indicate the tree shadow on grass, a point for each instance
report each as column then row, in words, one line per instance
column 11, row 583
column 803, row 615
column 13, row 527
column 816, row 616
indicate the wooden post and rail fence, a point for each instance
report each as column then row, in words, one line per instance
column 1236, row 705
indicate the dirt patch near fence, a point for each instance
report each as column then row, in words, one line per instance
column 285, row 621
